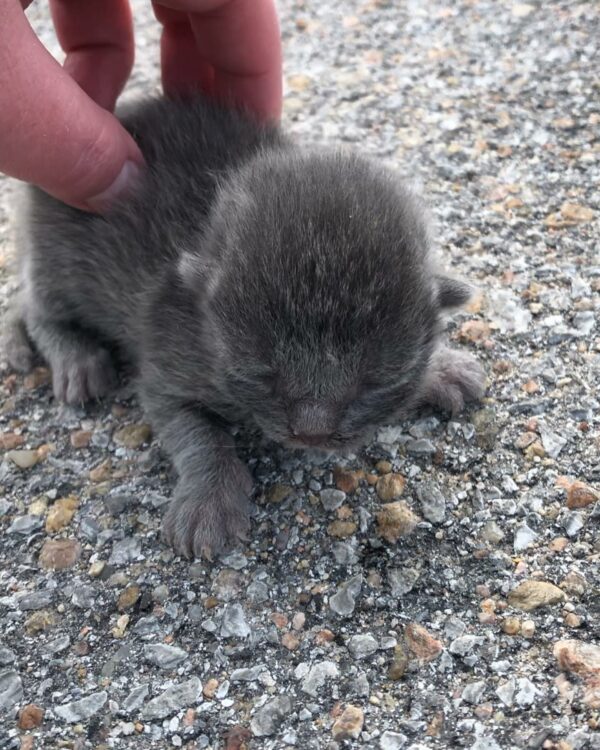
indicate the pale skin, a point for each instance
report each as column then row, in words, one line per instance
column 57, row 129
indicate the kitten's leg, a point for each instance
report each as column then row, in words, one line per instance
column 452, row 378
column 210, row 509
column 82, row 369
column 16, row 343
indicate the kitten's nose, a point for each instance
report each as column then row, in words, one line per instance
column 312, row 422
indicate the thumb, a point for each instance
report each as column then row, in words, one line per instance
column 51, row 133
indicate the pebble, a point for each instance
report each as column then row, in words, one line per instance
column 580, row 495
column 61, row 513
column 342, row 529
column 314, row 678
column 39, row 621
column 421, row 643
column 332, row 499
column 578, row 657
column 24, row 459
column 473, row 692
column 10, row 440
column 532, row 594
column 80, row 438
column 164, row 656
column 133, row 436
column 59, row 554
column 125, row 551
column 433, row 502
column 402, row 580
column 30, row 717
column 135, row 699
column 11, row 689
column 344, row 600
column 511, row 625
column 247, row 674
column 421, row 447
column 277, row 493
column 25, row 525
column 267, row 719
column 552, row 442
column 128, row 597
column 234, row 623
column 392, row 740
column 396, row 520
column 362, row 646
column 524, row 537
column 83, row 709
column 349, row 725
column 526, row 692
column 7, row 657
column 36, row 600
column 465, row 644
column 573, row 522
column 175, row 698
column 506, row 692
column 390, row 486
column 346, row 481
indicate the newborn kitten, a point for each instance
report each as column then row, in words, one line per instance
column 248, row 279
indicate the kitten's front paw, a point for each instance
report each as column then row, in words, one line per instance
column 83, row 376
column 453, row 378
column 204, row 520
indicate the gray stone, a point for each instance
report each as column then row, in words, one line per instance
column 83, row 709
column 344, row 600
column 5, row 506
column 135, row 699
column 36, row 600
column 25, row 525
column 433, row 502
column 392, row 740
column 7, row 657
column 362, row 646
column 526, row 692
column 345, row 553
column 84, row 596
column 164, row 656
column 56, row 645
column 524, row 536
column 11, row 689
column 125, row 551
column 573, row 522
column 268, row 718
column 332, row 499
column 465, row 644
column 552, row 442
column 402, row 580
column 234, row 623
column 421, row 447
column 473, row 692
column 247, row 674
column 175, row 698
column 258, row 592
column 506, row 692
column 315, row 677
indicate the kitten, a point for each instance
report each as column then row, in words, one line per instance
column 249, row 279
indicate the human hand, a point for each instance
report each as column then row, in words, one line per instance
column 56, row 126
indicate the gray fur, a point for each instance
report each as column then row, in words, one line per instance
column 248, row 280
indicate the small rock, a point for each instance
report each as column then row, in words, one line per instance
column 315, row 677
column 473, row 692
column 164, row 656
column 344, row 601
column 30, row 716
column 392, row 740
column 61, row 513
column 342, row 529
column 277, row 493
column 433, row 502
column 526, row 692
column 552, row 442
column 506, row 692
column 492, row 533
column 36, row 600
column 175, row 698
column 580, row 658
column 247, row 674
column 234, row 623
column 396, row 520
column 390, row 486
column 362, row 646
column 128, row 597
column 421, row 447
column 574, row 584
column 528, row 628
column 9, row 441
column 399, row 664
column 11, row 689
column 83, row 709
column 524, row 537
column 532, row 594
column 59, row 554
column 39, row 621
column 125, row 551
column 511, row 625
column 25, row 525
column 580, row 495
column 133, row 436
column 332, row 499
column 268, row 718
column 349, row 725
column 346, row 481
column 465, row 644
column 573, row 522
column 421, row 643
column 402, row 580
column 135, row 699
column 81, row 438
column 102, row 472
column 23, row 459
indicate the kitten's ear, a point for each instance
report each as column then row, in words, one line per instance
column 196, row 272
column 452, row 293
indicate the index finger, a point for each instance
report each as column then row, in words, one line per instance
column 236, row 54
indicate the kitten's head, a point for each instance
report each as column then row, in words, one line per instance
column 319, row 296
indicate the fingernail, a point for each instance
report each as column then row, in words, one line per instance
column 124, row 185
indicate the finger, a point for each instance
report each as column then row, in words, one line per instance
column 51, row 133
column 238, row 39
column 97, row 37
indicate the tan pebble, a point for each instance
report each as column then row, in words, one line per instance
column 121, row 626
column 383, row 467
column 39, row 621
column 341, row 529
column 210, row 688
column 9, row 441
column 346, row 481
column 210, row 602
column 133, row 436
column 525, row 439
column 298, row 620
column 559, row 544
column 61, row 513
column 484, row 711
column 530, row 387
column 372, row 479
column 578, row 657
column 81, row 438
column 277, row 493
column 27, row 742
column 23, row 459
column 38, row 507
column 290, row 641
column 421, row 643
column 390, row 486
column 102, row 472
column 349, row 725
column 527, row 628
column 344, row 512
column 576, row 213
column 299, row 82
column 482, row 590
column 374, row 579
column 474, row 331
column 488, row 605
column 324, row 636
column 128, row 597
column 59, row 554
column 280, row 620
column 487, row 618
column 511, row 625
column 96, row 568
column 535, row 449
column 139, row 727
column 580, row 495
column 399, row 663
column 574, row 584
column 396, row 520
column 532, row 594
column 572, row 620
column 30, row 716
column 44, row 450
column 189, row 718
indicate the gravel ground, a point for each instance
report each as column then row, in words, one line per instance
column 331, row 628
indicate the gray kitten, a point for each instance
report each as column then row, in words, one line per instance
column 249, row 279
